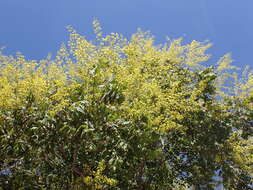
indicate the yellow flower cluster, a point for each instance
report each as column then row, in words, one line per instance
column 98, row 180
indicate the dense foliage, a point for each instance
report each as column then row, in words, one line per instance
column 125, row 114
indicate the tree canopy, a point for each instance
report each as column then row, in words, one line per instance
column 115, row 114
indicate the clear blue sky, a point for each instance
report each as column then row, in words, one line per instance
column 38, row 27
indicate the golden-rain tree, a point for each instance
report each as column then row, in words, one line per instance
column 124, row 114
